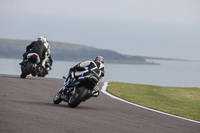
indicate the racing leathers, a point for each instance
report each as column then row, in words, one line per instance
column 87, row 67
column 47, row 55
column 35, row 47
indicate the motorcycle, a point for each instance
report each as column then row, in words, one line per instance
column 30, row 65
column 83, row 89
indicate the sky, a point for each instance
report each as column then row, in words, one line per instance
column 157, row 28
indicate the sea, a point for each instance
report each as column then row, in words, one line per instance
column 168, row 73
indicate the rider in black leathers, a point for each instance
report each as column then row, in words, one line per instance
column 36, row 47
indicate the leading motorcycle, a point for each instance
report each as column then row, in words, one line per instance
column 84, row 88
column 30, row 65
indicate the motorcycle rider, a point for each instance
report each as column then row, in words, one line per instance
column 47, row 62
column 36, row 47
column 95, row 67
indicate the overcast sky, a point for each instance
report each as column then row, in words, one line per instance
column 159, row 28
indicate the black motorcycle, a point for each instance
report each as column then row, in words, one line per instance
column 29, row 66
column 84, row 88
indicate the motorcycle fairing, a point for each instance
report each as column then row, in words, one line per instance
column 91, row 77
column 33, row 57
column 83, row 78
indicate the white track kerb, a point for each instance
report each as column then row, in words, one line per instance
column 104, row 87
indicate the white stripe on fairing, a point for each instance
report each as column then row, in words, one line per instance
column 104, row 87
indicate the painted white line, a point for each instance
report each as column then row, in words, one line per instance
column 105, row 85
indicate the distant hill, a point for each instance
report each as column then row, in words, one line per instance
column 70, row 52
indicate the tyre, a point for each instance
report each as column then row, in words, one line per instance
column 57, row 99
column 77, row 97
column 26, row 71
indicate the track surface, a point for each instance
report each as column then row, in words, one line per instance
column 26, row 106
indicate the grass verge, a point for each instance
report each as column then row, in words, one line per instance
column 180, row 101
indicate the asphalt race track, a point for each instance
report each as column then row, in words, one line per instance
column 26, row 106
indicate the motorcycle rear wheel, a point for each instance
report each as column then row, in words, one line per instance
column 26, row 71
column 78, row 97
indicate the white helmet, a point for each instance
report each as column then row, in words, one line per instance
column 42, row 39
column 45, row 39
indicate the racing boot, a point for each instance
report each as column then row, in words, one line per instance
column 95, row 91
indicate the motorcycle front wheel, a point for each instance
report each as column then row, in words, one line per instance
column 41, row 74
column 57, row 99
column 77, row 97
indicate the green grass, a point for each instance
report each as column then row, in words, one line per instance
column 181, row 101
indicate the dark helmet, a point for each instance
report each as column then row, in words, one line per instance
column 99, row 59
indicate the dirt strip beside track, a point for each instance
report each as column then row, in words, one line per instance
column 26, row 106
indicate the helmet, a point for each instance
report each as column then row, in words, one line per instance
column 98, row 59
column 45, row 39
column 42, row 39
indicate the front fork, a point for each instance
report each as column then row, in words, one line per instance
column 63, row 90
column 64, row 95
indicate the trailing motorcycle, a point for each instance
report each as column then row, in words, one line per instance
column 83, row 89
column 30, row 65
